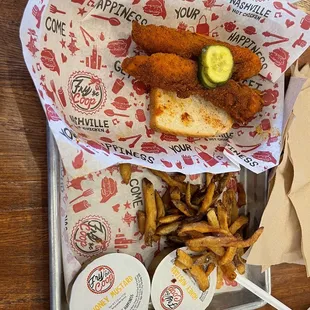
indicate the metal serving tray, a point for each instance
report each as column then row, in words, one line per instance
column 256, row 189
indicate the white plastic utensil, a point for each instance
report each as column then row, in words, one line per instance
column 261, row 293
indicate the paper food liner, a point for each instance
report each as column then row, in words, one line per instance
column 99, row 115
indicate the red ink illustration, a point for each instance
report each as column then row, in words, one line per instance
column 289, row 23
column 305, row 22
column 179, row 165
column 270, row 96
column 119, row 48
column 48, row 92
column 85, row 34
column 112, row 169
column 101, row 37
column 149, row 131
column 209, row 160
column 187, row 160
column 112, row 20
column 279, row 6
column 48, row 59
column 51, row 114
column 300, row 42
column 230, row 26
column 139, row 87
column 118, row 85
column 98, row 146
column 272, row 139
column 192, row 139
column 135, row 139
column 121, row 242
column 63, row 43
column 269, row 34
column 250, row 148
column 129, row 124
column 116, row 207
column 127, row 205
column 279, row 57
column 77, row 183
column 78, row 161
column 94, row 61
column 45, row 38
column 106, row 139
column 37, row 13
column 86, row 193
column 214, row 17
column 121, row 103
column 31, row 44
column 63, row 58
column 140, row 116
column 54, row 10
column 155, row 8
column 166, row 163
column 153, row 148
column 108, row 189
column 72, row 45
column 81, row 206
column 168, row 137
column 211, row 3
column 81, row 11
column 249, row 30
column 203, row 26
column 138, row 256
column 264, row 156
column 128, row 218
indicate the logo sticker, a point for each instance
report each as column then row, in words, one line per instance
column 100, row 280
column 171, row 297
column 87, row 92
column 91, row 236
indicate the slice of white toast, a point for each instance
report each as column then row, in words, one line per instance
column 190, row 117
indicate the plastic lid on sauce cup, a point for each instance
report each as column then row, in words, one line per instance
column 173, row 289
column 113, row 281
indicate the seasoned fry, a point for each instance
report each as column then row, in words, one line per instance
column 159, row 205
column 228, row 256
column 239, row 261
column 210, row 241
column 202, row 227
column 197, row 248
column 203, row 258
column 141, row 221
column 166, row 199
column 167, row 229
column 241, row 195
column 219, row 251
column 194, row 188
column 223, row 182
column 240, row 253
column 248, row 242
column 193, row 219
column 210, row 268
column 177, row 239
column 180, row 265
column 150, row 211
column 209, row 177
column 179, row 177
column 183, row 207
column 188, row 196
column 229, row 271
column 219, row 281
column 191, row 233
column 156, row 238
column 200, row 277
column 222, row 215
column 184, row 258
column 227, row 205
column 238, row 223
column 199, row 196
column 234, row 207
column 208, row 198
column 169, row 219
column 125, row 171
column 175, row 193
column 173, row 211
column 171, row 182
column 212, row 219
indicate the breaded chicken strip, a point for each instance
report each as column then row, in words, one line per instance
column 174, row 73
column 160, row 39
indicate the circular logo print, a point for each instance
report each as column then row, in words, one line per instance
column 91, row 236
column 100, row 280
column 87, row 92
column 171, row 297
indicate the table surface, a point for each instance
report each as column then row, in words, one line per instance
column 24, row 270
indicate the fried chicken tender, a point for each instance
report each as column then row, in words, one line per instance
column 160, row 39
column 174, row 73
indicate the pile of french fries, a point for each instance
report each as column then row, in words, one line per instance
column 204, row 218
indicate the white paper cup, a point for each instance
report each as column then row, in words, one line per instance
column 173, row 289
column 113, row 281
